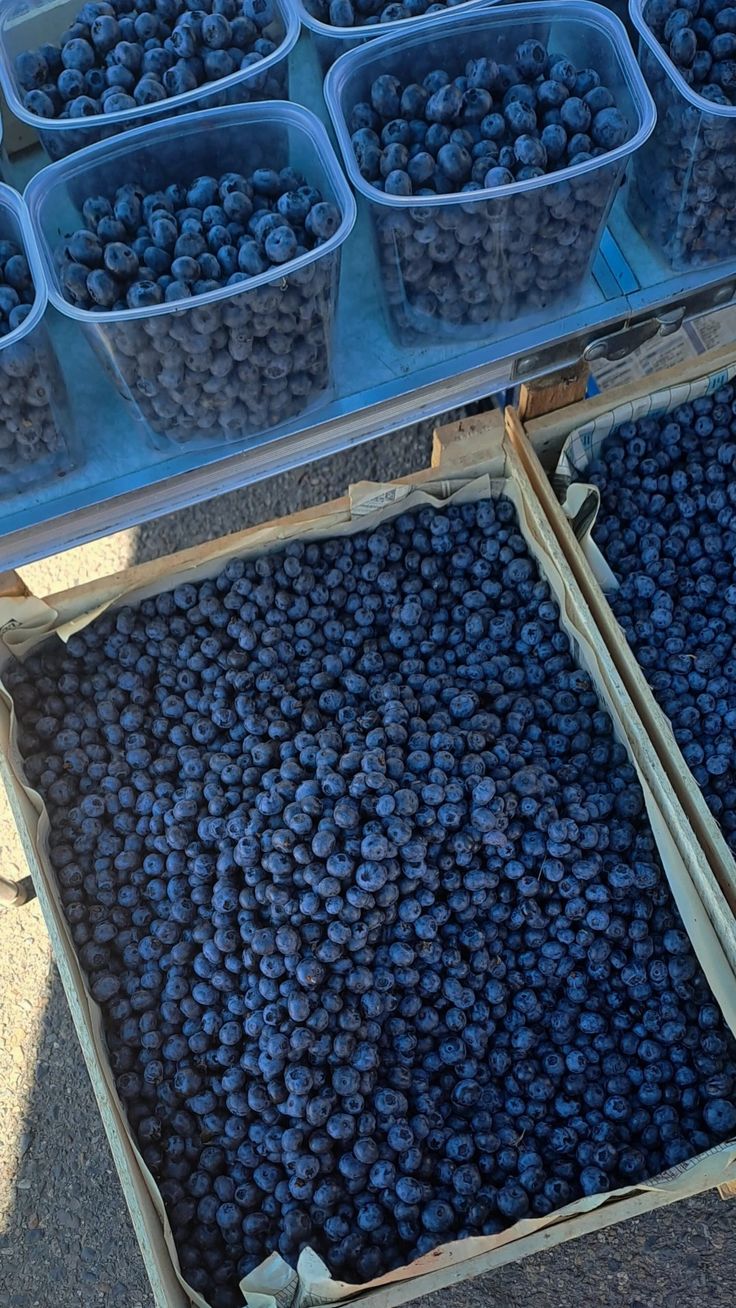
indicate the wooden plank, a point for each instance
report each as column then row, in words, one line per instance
column 557, row 390
column 12, row 585
column 471, row 443
column 544, row 432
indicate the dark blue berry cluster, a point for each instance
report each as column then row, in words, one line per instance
column 140, row 249
column 28, row 377
column 365, row 887
column 367, row 13
column 690, row 214
column 122, row 54
column 468, row 264
column 492, row 125
column 668, row 529
column 700, row 38
column 17, row 292
column 234, row 365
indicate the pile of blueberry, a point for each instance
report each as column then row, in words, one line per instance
column 366, row 890
column 667, row 526
column 700, row 38
column 234, row 365
column 490, row 126
column 122, row 54
column 28, row 378
column 690, row 213
column 17, row 292
column 367, row 13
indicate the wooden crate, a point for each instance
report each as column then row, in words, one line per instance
column 461, row 454
column 538, row 444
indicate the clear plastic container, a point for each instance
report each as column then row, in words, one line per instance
column 231, row 362
column 682, row 188
column 461, row 264
column 25, row 24
column 34, row 417
column 331, row 42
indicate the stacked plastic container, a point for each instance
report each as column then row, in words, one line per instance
column 230, row 362
column 24, row 24
column 529, row 245
column 34, row 421
column 682, row 194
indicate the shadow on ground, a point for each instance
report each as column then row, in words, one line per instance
column 69, row 1240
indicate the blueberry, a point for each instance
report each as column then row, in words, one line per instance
column 143, row 295
column 454, row 161
column 385, row 96
column 104, row 33
column 102, row 288
column 530, row 151
column 531, row 59
column 149, row 91
column 83, row 107
column 31, row 70
column 78, row 55
column 250, row 260
column 609, row 129
column 281, row 245
column 323, row 220
column 18, row 315
column 498, row 177
column 70, row 83
column 520, row 119
column 120, row 260
column 575, row 115
column 118, row 102
column 38, row 102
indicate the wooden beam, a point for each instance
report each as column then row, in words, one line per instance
column 555, row 391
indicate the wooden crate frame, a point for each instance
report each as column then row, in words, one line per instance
column 461, row 451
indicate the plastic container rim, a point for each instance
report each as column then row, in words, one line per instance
column 162, row 107
column 373, row 31
column 10, row 199
column 586, row 12
column 699, row 101
column 278, row 112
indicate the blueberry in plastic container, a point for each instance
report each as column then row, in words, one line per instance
column 667, row 526
column 336, row 26
column 365, row 888
column 32, row 399
column 682, row 194
column 119, row 64
column 211, row 299
column 436, row 134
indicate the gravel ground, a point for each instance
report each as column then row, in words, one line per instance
column 65, row 1235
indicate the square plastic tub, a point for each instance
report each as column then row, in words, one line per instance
column 238, row 360
column 25, row 24
column 460, row 265
column 331, row 42
column 682, row 189
column 34, row 418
